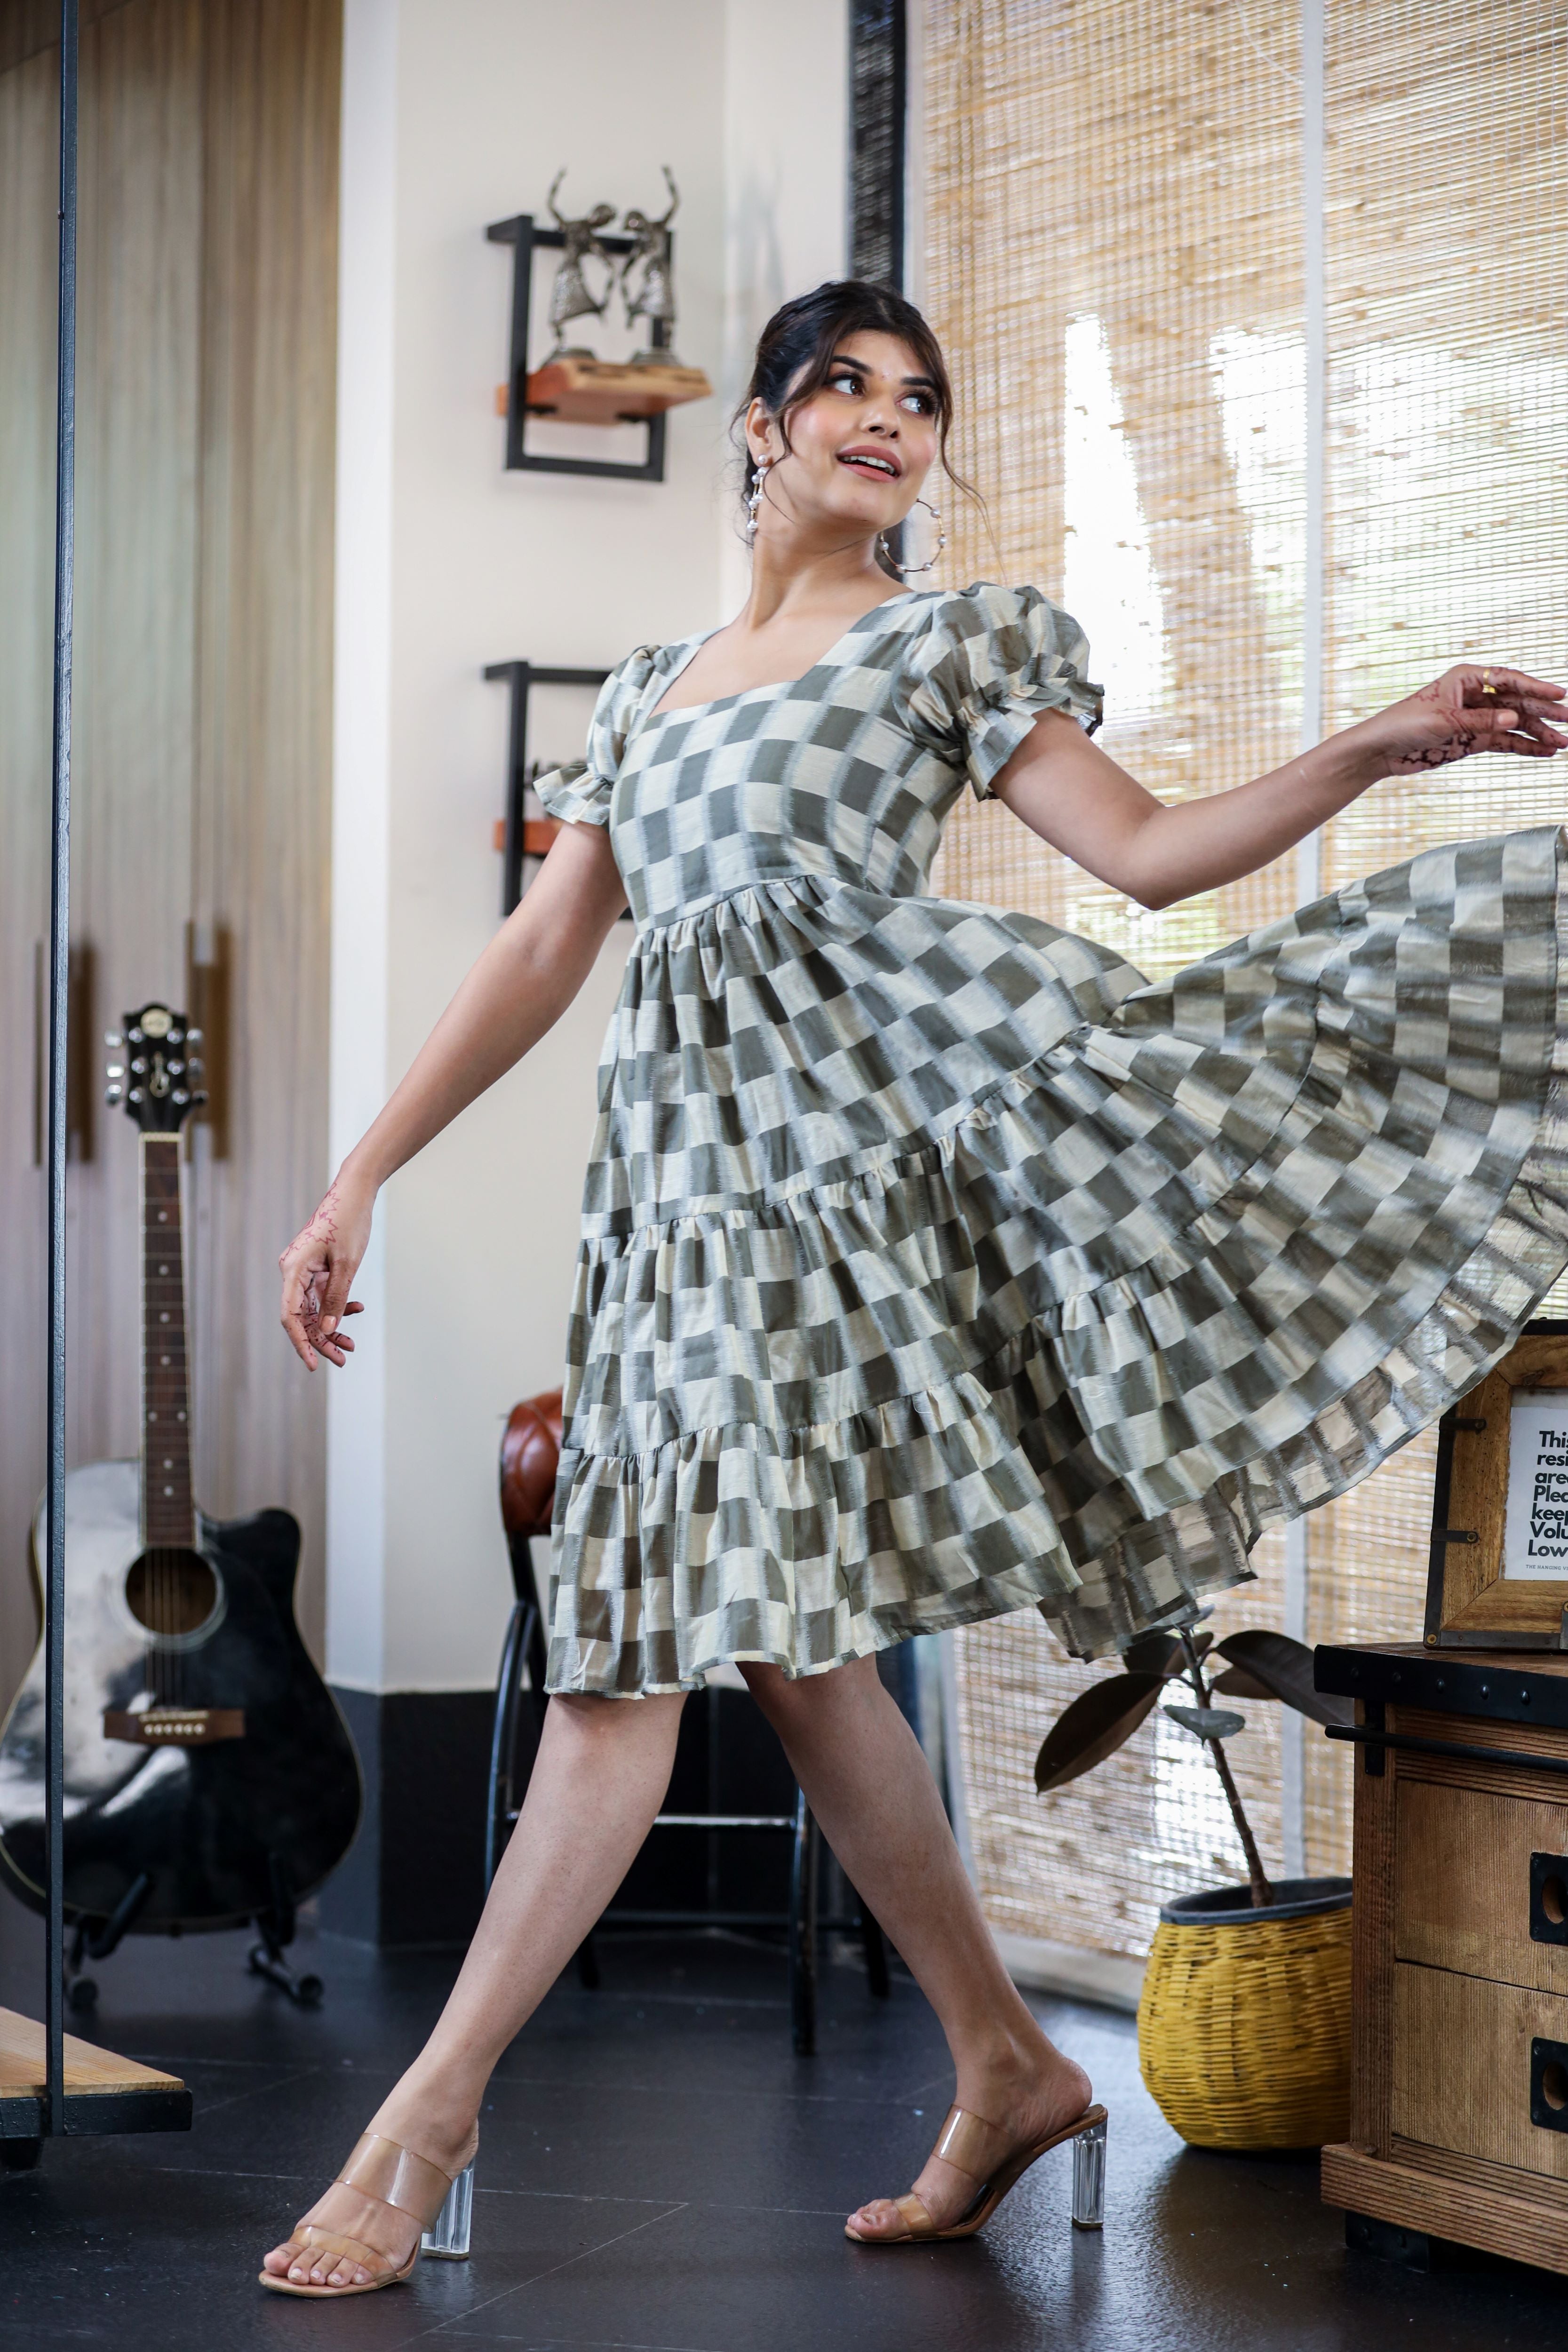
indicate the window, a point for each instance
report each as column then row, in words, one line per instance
column 1256, row 326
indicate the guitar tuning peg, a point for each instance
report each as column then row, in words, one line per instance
column 113, row 1037
column 112, row 1094
column 115, row 1070
column 181, row 1096
column 199, row 1096
column 136, row 1095
column 193, row 1036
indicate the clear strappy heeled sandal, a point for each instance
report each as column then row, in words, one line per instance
column 391, row 2175
column 973, row 2146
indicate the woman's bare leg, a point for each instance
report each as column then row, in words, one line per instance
column 600, row 1776
column 871, row 1790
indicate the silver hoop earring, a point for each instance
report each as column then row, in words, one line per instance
column 908, row 570
column 764, row 467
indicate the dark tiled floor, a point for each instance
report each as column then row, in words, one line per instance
column 659, row 2173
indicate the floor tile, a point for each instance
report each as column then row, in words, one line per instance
column 659, row 2173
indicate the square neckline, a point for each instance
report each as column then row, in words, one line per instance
column 773, row 685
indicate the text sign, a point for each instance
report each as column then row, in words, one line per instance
column 1535, row 1532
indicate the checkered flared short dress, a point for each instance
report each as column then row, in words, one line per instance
column 934, row 1263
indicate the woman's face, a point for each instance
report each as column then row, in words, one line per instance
column 859, row 449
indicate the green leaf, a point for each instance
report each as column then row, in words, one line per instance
column 1094, row 1727
column 1207, row 1722
column 1283, row 1668
column 1162, row 1654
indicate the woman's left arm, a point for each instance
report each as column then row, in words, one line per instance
column 1077, row 798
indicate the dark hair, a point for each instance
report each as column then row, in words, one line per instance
column 796, row 348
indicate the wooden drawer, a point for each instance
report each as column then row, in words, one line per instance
column 1464, row 1895
column 1462, row 2068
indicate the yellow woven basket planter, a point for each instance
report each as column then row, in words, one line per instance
column 1244, row 2029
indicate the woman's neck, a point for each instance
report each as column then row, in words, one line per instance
column 791, row 580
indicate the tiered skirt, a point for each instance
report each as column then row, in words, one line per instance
column 934, row 1265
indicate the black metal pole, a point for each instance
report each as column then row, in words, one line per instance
column 59, row 974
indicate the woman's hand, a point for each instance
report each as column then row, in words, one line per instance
column 1465, row 710
column 319, row 1265
column 520, row 987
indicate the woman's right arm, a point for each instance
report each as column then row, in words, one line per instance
column 517, row 991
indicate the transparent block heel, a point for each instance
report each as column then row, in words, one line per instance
column 1089, row 2177
column 446, row 2239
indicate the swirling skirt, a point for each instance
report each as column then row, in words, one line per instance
column 934, row 1265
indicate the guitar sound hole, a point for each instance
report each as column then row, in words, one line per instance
column 171, row 1590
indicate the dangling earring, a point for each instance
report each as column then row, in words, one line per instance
column 908, row 570
column 763, row 468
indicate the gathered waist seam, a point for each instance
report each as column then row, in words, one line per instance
column 824, row 875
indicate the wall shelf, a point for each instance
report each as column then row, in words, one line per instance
column 525, row 239
column 516, row 841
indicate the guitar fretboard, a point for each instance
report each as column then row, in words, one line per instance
column 168, row 1515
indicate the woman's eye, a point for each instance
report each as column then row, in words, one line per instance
column 918, row 403
column 843, row 382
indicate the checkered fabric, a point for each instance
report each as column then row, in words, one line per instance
column 934, row 1263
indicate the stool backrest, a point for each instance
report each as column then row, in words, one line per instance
column 529, row 1454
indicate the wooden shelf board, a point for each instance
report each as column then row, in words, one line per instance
column 104, row 2092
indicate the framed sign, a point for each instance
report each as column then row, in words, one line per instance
column 1498, row 1572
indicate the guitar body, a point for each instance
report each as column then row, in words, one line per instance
column 224, row 1832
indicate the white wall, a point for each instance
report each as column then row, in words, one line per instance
column 456, row 113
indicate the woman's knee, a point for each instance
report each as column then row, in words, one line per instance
column 798, row 1698
column 589, row 1715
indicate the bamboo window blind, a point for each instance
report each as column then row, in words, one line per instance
column 1114, row 256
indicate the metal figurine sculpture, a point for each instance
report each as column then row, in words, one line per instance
column 654, row 298
column 569, row 296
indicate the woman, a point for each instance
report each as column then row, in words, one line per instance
column 932, row 1264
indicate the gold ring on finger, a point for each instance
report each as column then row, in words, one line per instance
column 1487, row 685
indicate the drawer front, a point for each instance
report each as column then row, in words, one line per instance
column 1464, row 2053
column 1478, row 1887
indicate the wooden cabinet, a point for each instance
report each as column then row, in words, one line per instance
column 1459, row 2032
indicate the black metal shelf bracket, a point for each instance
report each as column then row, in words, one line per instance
column 55, row 2115
column 520, row 676
column 525, row 239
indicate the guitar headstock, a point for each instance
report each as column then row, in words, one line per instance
column 159, row 1080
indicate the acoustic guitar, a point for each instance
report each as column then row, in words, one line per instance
column 209, row 1779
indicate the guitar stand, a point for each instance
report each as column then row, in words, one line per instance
column 276, row 1928
column 82, row 1991
column 266, row 1960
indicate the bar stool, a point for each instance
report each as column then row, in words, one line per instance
column 531, row 1451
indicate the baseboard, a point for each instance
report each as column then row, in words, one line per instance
column 415, row 1875
column 1109, row 1979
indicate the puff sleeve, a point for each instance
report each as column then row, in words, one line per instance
column 579, row 792
column 993, row 661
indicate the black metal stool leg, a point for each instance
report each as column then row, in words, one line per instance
column 878, row 1982
column 804, row 1877
column 503, row 1740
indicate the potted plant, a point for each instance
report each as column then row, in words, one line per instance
column 1244, row 2024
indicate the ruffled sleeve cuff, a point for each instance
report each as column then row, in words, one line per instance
column 997, row 658
column 580, row 792
column 575, row 794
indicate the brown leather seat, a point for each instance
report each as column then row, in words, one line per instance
column 530, row 1454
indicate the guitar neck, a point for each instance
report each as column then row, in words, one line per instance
column 168, row 1513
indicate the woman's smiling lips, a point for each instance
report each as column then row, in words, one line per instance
column 882, row 463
